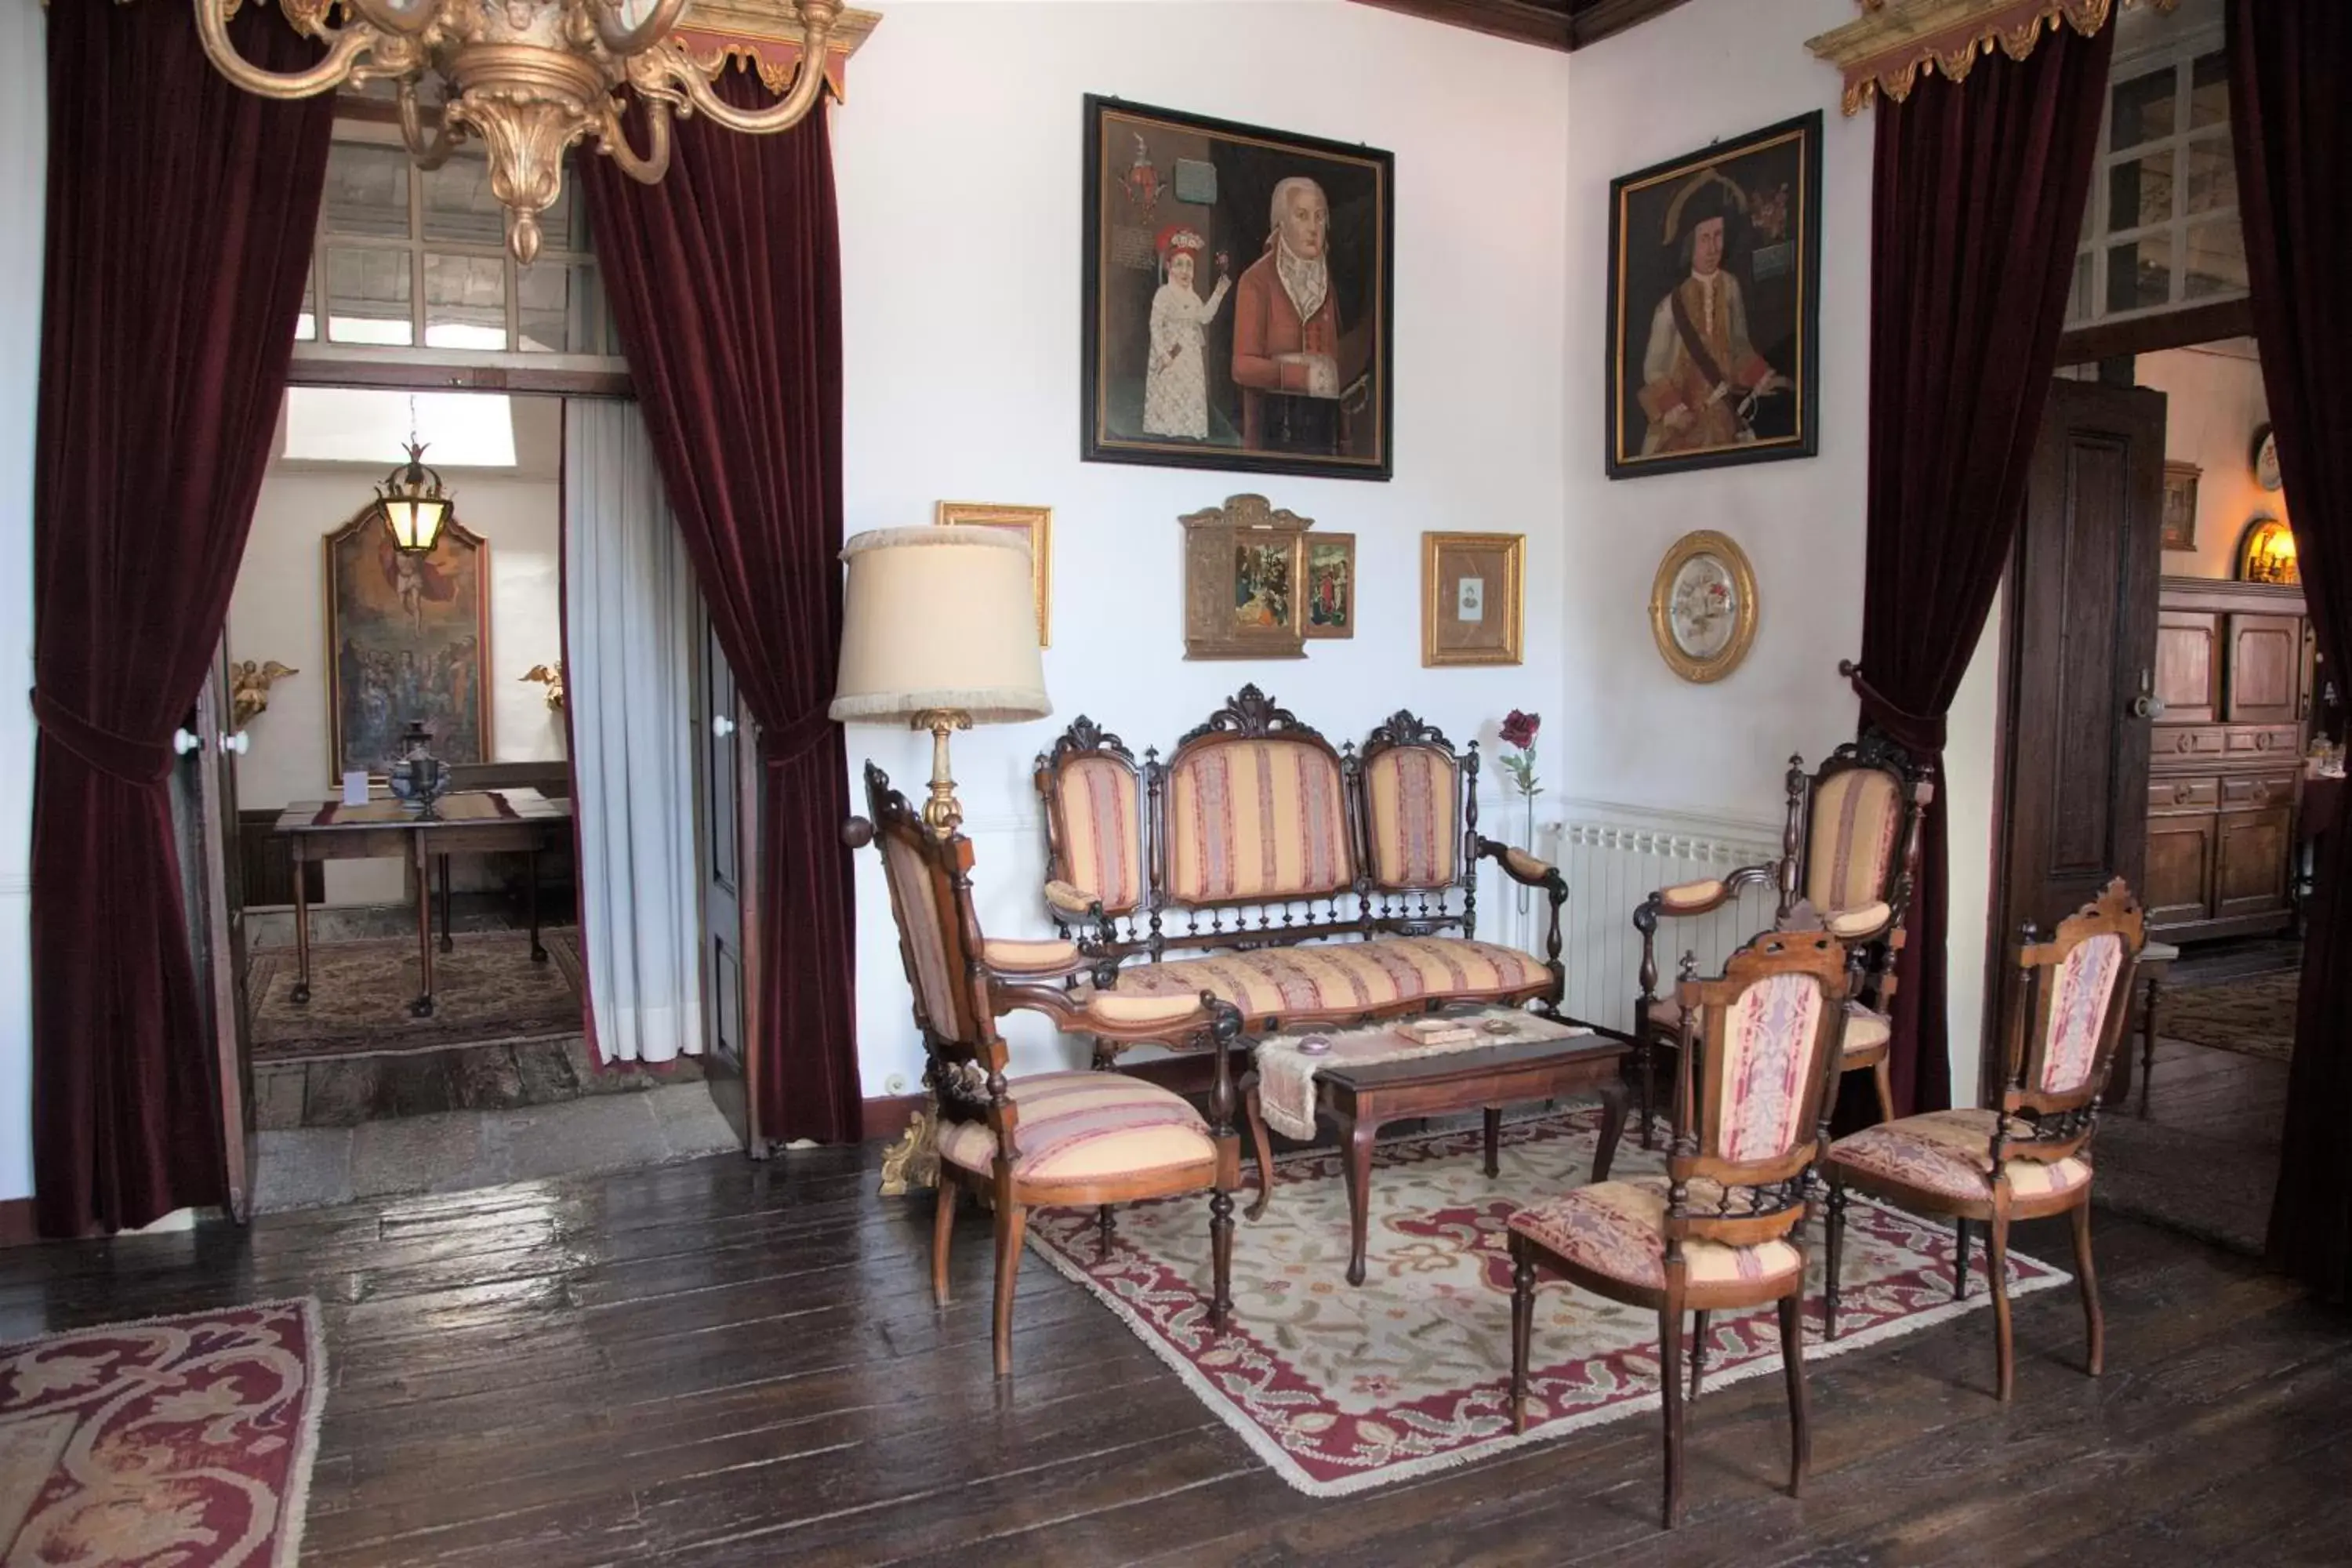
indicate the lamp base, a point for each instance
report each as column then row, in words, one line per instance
column 942, row 813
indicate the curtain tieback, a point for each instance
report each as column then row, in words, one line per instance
column 144, row 763
column 780, row 748
column 1919, row 731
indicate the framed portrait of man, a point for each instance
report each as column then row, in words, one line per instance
column 1715, row 305
column 1237, row 296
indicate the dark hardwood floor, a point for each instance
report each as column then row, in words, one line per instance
column 721, row 1363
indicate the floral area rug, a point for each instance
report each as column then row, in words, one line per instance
column 181, row 1440
column 2254, row 1016
column 486, row 992
column 1342, row 1389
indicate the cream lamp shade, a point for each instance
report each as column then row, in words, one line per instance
column 939, row 619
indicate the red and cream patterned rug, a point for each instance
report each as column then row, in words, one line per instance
column 181, row 1440
column 1341, row 1390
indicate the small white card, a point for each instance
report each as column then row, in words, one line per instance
column 355, row 788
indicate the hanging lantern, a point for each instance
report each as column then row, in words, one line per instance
column 411, row 502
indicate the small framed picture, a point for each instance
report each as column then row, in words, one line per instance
column 2179, row 528
column 1243, row 564
column 1470, row 598
column 1033, row 522
column 1330, row 585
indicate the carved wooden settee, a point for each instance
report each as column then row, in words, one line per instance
column 1228, row 868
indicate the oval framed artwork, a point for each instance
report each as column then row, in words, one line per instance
column 1703, row 607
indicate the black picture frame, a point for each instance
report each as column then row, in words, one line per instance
column 1149, row 170
column 1767, row 186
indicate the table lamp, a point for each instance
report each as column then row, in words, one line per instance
column 939, row 630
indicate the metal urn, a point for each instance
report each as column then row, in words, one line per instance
column 419, row 778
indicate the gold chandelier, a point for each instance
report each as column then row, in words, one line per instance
column 529, row 77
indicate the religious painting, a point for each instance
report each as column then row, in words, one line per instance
column 1244, row 562
column 1332, row 585
column 1237, row 296
column 2179, row 527
column 408, row 638
column 1715, row 305
column 1033, row 523
column 1470, row 598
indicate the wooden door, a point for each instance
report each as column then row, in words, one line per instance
column 2081, row 662
column 727, row 766
column 2265, row 668
column 213, row 876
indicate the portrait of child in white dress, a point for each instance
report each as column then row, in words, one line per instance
column 1176, row 376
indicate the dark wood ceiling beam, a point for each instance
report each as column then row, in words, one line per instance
column 1553, row 24
column 1593, row 20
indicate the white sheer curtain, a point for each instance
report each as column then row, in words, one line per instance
column 628, row 602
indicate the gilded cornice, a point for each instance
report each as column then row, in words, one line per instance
column 767, row 35
column 1886, row 48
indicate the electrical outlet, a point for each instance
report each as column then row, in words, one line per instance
column 895, row 1084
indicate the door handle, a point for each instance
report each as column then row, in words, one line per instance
column 2147, row 704
column 722, row 726
column 236, row 741
column 184, row 741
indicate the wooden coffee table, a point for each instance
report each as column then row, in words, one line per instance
column 1362, row 1092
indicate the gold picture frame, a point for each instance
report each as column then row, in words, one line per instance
column 2179, row 525
column 1330, row 579
column 407, row 638
column 2266, row 553
column 1245, row 563
column 1462, row 574
column 1037, row 522
column 1704, row 579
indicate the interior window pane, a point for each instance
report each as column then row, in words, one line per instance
column 465, row 302
column 306, row 325
column 458, row 204
column 2078, row 292
column 2216, row 261
column 2208, row 90
column 2140, row 191
column 367, row 191
column 368, row 296
column 2140, row 273
column 2142, row 109
column 2212, row 175
column 561, row 307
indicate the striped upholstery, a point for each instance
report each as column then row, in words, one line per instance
column 916, row 894
column 1102, row 816
column 1414, row 796
column 2085, row 985
column 1769, row 1035
column 1865, row 1030
column 1256, row 819
column 1617, row 1229
column 1850, row 847
column 1339, row 978
column 1074, row 1126
column 1949, row 1153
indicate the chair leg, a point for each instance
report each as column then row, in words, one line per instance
column 1262, row 1143
column 1882, row 1077
column 1997, row 1270
column 1103, row 1226
column 1012, row 1225
column 2094, row 1325
column 2148, row 1040
column 1221, row 1246
column 1670, row 1361
column 1960, row 1259
column 1643, row 1050
column 1523, row 1319
column 1792, row 1365
column 1836, row 1251
column 943, row 1213
column 1698, row 1349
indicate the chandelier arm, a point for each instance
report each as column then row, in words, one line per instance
column 816, row 18
column 649, row 169
column 626, row 41
column 429, row 155
column 403, row 21
column 345, row 47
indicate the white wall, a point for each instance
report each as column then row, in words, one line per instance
column 960, row 194
column 24, row 164
column 2214, row 402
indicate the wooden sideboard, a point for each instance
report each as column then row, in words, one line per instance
column 2233, row 670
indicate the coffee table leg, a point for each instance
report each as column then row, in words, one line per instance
column 301, row 992
column 1360, row 1136
column 423, row 1006
column 538, row 951
column 1613, row 1127
column 447, row 945
column 1263, row 1143
column 1493, row 1138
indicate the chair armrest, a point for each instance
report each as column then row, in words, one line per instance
column 1519, row 865
column 1069, row 899
column 1860, row 924
column 1049, row 960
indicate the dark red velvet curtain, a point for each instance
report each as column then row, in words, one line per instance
column 2289, row 62
column 726, row 282
column 1978, row 204
column 180, row 217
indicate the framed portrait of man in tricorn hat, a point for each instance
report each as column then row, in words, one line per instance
column 1715, row 305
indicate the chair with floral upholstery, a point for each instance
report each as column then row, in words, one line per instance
column 1850, row 849
column 1055, row 1138
column 2026, row 1156
column 1724, row 1227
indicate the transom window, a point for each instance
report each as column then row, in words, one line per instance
column 2160, row 230
column 415, row 259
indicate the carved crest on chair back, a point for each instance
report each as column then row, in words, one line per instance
column 1251, row 713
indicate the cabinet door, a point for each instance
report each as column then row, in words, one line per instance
column 2266, row 667
column 2188, row 666
column 2179, row 861
column 2250, row 861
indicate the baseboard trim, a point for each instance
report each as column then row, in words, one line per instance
column 884, row 1118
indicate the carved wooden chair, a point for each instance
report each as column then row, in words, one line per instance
column 1850, row 849
column 1724, row 1227
column 1054, row 1138
column 2024, row 1157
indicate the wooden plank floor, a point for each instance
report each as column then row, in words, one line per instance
column 719, row 1364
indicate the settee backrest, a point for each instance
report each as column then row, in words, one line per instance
column 1253, row 820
